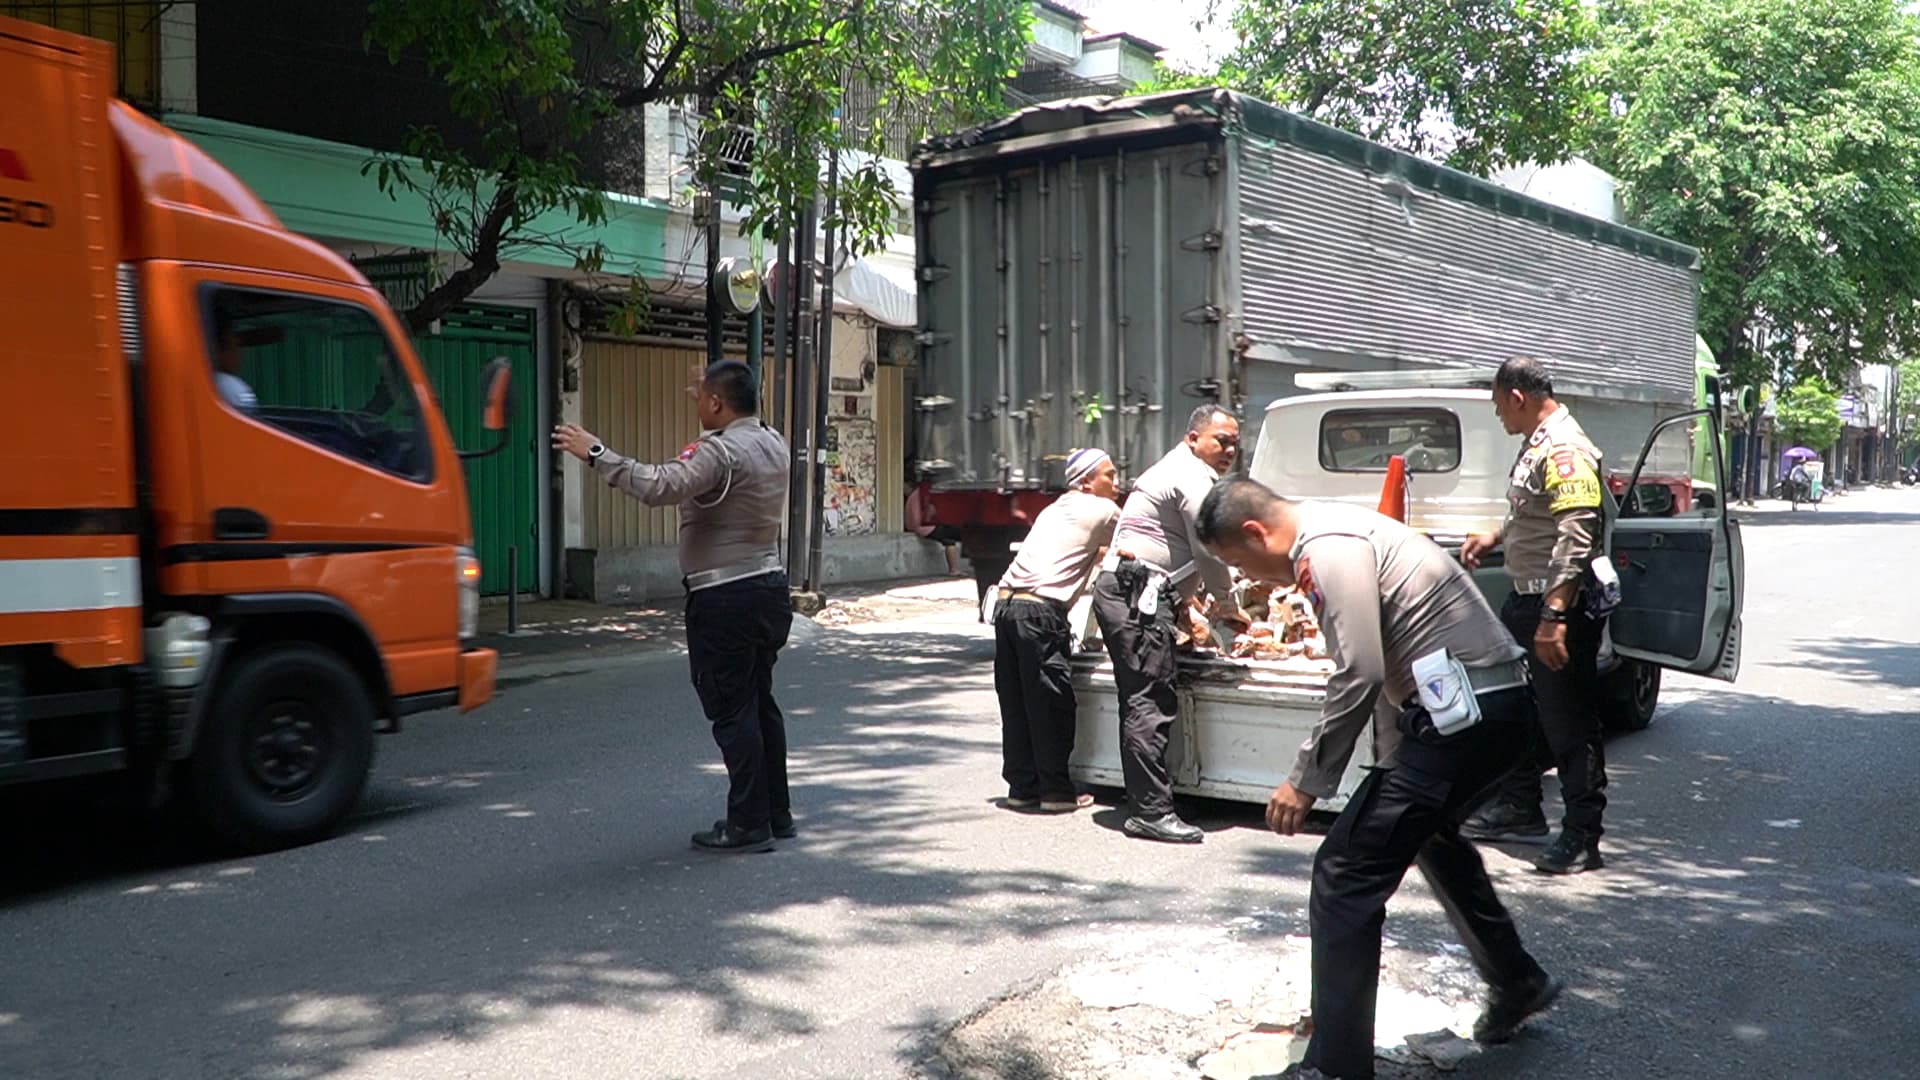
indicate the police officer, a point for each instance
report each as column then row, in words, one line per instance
column 1553, row 532
column 1155, row 570
column 731, row 487
column 1389, row 599
column 1033, row 644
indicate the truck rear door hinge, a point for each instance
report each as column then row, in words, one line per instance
column 932, row 403
column 931, row 337
column 1206, row 241
column 1205, row 313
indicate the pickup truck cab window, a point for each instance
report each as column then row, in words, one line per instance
column 319, row 370
column 1364, row 440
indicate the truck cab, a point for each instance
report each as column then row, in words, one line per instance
column 234, row 535
column 1336, row 445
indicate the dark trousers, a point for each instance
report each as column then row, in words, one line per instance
column 1142, row 650
column 1033, row 674
column 1409, row 813
column 1569, row 732
column 734, row 634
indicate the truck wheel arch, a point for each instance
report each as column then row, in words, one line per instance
column 247, row 622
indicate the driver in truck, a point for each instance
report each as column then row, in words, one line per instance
column 1402, row 618
column 1554, row 538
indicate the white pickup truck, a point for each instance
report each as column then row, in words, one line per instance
column 1679, row 557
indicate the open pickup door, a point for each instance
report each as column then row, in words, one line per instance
column 1681, row 570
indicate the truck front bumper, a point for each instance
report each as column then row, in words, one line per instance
column 477, row 668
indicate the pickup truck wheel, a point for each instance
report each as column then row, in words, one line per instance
column 285, row 750
column 1634, row 694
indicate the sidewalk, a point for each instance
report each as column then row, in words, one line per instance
column 565, row 637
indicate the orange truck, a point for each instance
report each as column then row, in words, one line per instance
column 234, row 539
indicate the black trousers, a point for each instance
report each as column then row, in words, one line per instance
column 1569, row 734
column 1409, row 814
column 1142, row 649
column 734, row 635
column 1033, row 675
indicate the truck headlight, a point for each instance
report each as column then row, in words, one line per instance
column 468, row 569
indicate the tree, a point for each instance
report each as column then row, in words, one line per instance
column 1907, row 401
column 1808, row 414
column 1781, row 138
column 1477, row 84
column 548, row 84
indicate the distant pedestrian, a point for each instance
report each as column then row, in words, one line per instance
column 919, row 515
column 1033, row 643
column 1156, row 569
column 731, row 487
column 1401, row 618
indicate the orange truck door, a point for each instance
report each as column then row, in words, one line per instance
column 317, row 465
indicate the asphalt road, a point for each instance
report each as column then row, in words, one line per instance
column 517, row 898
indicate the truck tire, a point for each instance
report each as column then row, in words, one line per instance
column 1633, row 693
column 285, row 750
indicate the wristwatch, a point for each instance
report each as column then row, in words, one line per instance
column 594, row 452
column 1552, row 614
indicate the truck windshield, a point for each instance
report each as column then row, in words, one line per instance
column 1364, row 440
column 320, row 370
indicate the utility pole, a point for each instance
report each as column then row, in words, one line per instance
column 822, row 383
column 803, row 440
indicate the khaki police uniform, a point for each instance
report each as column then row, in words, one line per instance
column 1555, row 528
column 1387, row 596
column 731, row 488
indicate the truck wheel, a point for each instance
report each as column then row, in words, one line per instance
column 1633, row 695
column 285, row 750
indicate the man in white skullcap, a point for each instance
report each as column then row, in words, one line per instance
column 1033, row 656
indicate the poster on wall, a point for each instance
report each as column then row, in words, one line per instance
column 852, row 475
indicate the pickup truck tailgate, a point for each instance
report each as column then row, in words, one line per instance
column 1241, row 723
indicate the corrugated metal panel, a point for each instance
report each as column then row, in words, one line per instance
column 890, row 448
column 1068, row 303
column 1339, row 265
column 635, row 398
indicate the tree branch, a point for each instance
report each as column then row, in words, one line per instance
column 483, row 262
column 714, row 82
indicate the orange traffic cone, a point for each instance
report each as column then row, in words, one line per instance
column 1393, row 494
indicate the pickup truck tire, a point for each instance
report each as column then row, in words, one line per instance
column 1632, row 695
column 285, row 750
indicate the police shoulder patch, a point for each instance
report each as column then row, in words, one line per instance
column 1303, row 577
column 691, row 449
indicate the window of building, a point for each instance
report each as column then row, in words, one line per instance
column 320, row 370
column 1363, row 440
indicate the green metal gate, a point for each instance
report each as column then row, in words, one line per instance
column 500, row 487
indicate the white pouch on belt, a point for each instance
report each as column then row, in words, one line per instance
column 1445, row 692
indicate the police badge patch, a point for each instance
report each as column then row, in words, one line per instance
column 691, row 449
column 1303, row 577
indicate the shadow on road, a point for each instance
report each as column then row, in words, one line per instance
column 500, row 886
column 1864, row 659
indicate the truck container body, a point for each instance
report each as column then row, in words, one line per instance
column 1092, row 271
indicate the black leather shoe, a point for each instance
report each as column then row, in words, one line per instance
column 784, row 828
column 1570, row 853
column 1167, row 828
column 1501, row 821
column 727, row 839
column 1508, row 1007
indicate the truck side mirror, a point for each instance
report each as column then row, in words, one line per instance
column 498, row 380
column 496, row 410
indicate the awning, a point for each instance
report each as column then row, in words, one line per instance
column 885, row 293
